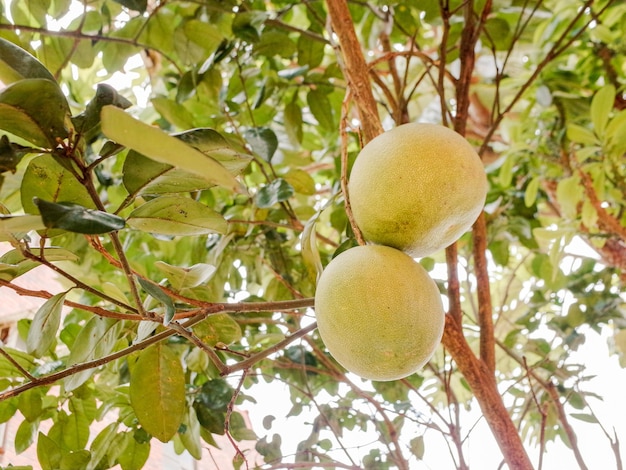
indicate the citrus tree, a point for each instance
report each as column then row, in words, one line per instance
column 189, row 209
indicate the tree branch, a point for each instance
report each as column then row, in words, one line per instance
column 355, row 68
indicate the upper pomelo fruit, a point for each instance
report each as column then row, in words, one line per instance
column 378, row 312
column 417, row 187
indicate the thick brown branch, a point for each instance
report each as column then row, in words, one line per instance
column 483, row 384
column 483, row 292
column 355, row 68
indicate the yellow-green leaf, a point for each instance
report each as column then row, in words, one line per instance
column 152, row 142
column 44, row 326
column 157, row 391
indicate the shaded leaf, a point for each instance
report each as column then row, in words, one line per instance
column 43, row 329
column 162, row 297
column 320, row 107
column 263, row 141
column 96, row 339
column 176, row 215
column 88, row 122
column 293, row 122
column 46, row 179
column 135, row 454
column 17, row 64
column 157, row 391
column 76, row 218
column 36, row 110
column 277, row 191
column 157, row 145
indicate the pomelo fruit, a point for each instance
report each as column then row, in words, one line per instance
column 378, row 312
column 417, row 187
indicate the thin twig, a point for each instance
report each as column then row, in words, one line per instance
column 16, row 364
column 344, row 167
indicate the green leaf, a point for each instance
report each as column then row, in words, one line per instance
column 601, row 107
column 293, row 122
column 176, row 215
column 43, row 329
column 162, row 297
column 581, row 135
column 101, row 444
column 25, row 435
column 417, row 447
column 20, row 223
column 277, row 191
column 157, row 145
column 76, row 218
column 530, row 195
column 36, row 110
column 587, row 418
column 46, row 179
column 239, row 430
column 95, row 340
column 271, row 451
column 88, row 122
column 204, row 34
column 14, row 264
column 310, row 52
column 301, row 181
column 17, row 64
column 134, row 455
column 48, row 453
column 506, row 172
column 310, row 252
column 274, row 43
column 569, row 193
column 157, row 391
column 181, row 277
column 218, row 328
column 320, row 107
column 263, row 141
column 190, row 437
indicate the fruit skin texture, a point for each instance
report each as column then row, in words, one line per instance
column 378, row 312
column 417, row 187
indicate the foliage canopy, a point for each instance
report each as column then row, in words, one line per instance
column 190, row 211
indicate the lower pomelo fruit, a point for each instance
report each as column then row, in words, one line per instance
column 417, row 187
column 378, row 312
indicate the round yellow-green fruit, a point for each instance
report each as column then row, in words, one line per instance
column 378, row 312
column 417, row 187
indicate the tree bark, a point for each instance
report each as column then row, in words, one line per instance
column 355, row 68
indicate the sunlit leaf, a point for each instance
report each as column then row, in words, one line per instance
column 176, row 215
column 157, row 145
column 44, row 326
column 192, row 276
column 601, row 107
column 218, row 328
column 20, row 223
column 157, row 391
